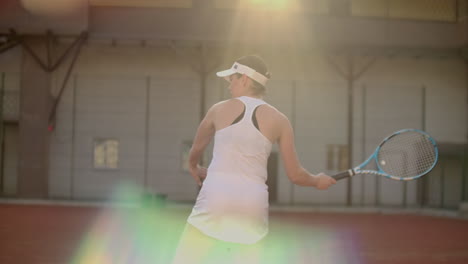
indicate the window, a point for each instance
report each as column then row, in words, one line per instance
column 106, row 153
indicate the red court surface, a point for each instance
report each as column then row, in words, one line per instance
column 49, row 234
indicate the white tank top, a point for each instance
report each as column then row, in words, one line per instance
column 233, row 202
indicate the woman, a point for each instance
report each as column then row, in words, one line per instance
column 232, row 207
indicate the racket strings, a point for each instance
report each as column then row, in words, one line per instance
column 407, row 154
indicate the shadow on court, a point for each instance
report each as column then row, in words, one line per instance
column 70, row 234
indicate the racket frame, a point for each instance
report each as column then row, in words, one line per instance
column 380, row 172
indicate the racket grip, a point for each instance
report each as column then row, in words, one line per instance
column 343, row 175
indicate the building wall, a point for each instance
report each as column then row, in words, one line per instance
column 10, row 66
column 128, row 94
column 148, row 98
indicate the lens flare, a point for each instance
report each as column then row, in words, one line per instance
column 149, row 232
column 273, row 4
column 142, row 233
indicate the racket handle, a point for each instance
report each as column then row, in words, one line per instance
column 343, row 175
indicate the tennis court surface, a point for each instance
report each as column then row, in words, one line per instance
column 56, row 234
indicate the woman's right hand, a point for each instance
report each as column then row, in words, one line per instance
column 323, row 181
column 199, row 174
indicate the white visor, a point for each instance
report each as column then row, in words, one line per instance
column 242, row 69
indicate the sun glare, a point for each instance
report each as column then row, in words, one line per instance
column 272, row 4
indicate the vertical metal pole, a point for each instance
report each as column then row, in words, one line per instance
column 2, row 89
column 423, row 106
column 147, row 121
column 465, row 149
column 203, row 74
column 442, row 183
column 293, row 124
column 423, row 183
column 350, row 81
column 73, row 138
column 202, row 95
column 363, row 150
column 463, row 163
column 405, row 194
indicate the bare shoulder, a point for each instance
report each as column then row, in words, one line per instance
column 224, row 110
column 226, row 104
column 273, row 121
column 272, row 113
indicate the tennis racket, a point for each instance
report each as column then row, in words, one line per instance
column 405, row 155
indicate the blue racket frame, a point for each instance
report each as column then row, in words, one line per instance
column 380, row 171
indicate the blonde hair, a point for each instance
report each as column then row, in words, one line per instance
column 257, row 88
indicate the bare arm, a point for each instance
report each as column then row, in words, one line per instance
column 296, row 173
column 205, row 133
